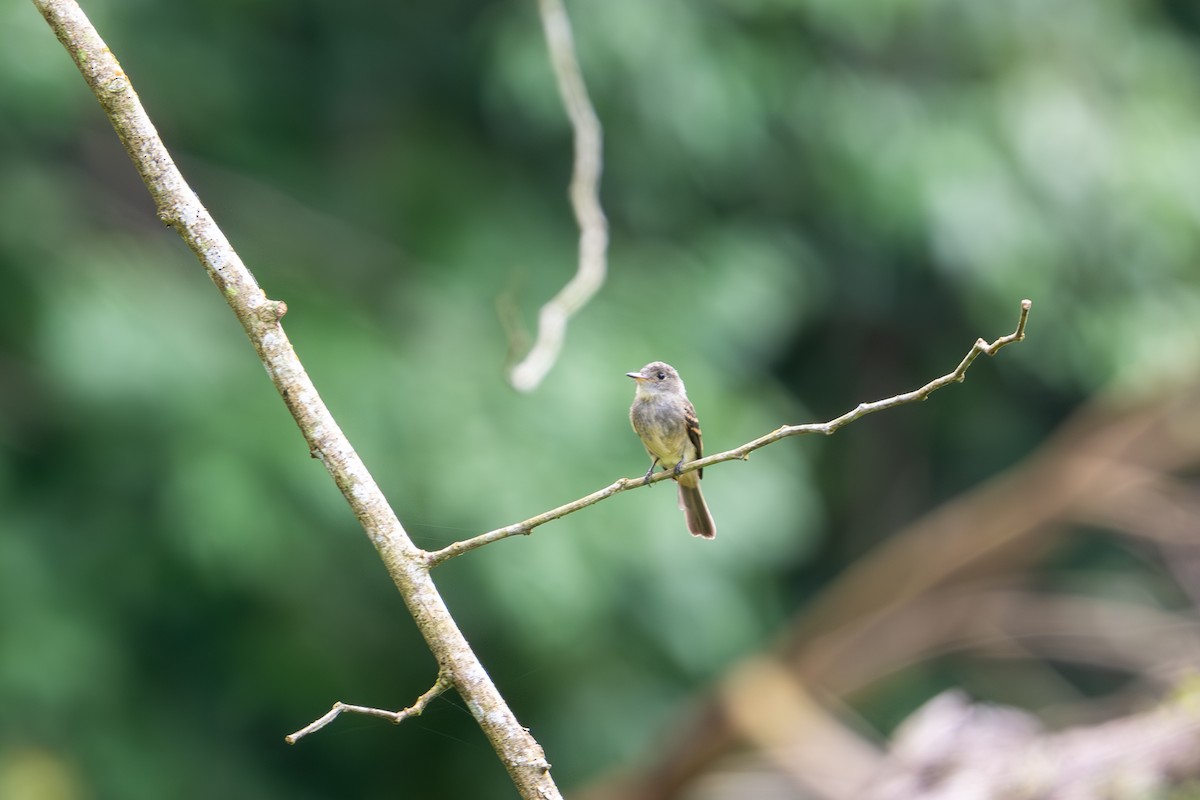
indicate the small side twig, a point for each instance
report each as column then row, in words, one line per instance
column 585, row 200
column 743, row 452
column 443, row 683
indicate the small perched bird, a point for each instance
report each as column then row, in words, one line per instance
column 665, row 421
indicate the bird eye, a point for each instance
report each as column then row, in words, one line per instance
column 662, row 376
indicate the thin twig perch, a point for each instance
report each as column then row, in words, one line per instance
column 741, row 453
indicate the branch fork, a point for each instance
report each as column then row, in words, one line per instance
column 408, row 565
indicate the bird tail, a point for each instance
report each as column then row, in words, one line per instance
column 695, row 512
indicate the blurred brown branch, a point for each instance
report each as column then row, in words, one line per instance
column 950, row 748
column 743, row 452
column 952, row 581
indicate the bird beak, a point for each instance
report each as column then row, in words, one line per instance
column 635, row 376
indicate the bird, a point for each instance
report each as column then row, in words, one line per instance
column 665, row 420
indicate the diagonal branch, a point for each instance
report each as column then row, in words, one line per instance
column 585, row 200
column 742, row 453
column 179, row 207
column 440, row 686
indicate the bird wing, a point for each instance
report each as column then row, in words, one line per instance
column 693, row 432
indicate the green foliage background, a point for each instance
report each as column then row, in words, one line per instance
column 812, row 204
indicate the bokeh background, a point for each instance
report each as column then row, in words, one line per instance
column 812, row 204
